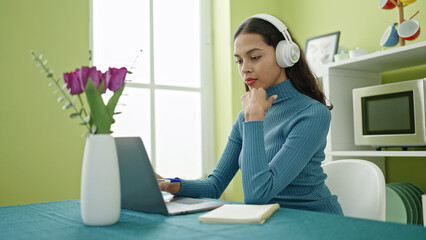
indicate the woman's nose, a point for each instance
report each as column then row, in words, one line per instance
column 246, row 67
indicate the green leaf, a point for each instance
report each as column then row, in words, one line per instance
column 86, row 120
column 74, row 115
column 45, row 62
column 40, row 57
column 93, row 130
column 51, row 84
column 98, row 111
column 64, row 86
column 61, row 98
column 112, row 103
column 67, row 105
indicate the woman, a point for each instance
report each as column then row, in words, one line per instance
column 279, row 137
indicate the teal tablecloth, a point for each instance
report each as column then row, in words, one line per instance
column 62, row 220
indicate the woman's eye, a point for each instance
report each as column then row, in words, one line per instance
column 255, row 58
column 239, row 61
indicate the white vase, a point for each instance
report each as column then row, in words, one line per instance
column 100, row 182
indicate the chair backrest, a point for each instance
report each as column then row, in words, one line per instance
column 360, row 187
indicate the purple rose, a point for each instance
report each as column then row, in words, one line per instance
column 73, row 82
column 95, row 75
column 66, row 78
column 85, row 73
column 114, row 78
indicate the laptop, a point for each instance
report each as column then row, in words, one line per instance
column 139, row 187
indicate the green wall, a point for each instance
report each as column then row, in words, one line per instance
column 361, row 25
column 40, row 148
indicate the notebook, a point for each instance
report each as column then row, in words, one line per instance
column 240, row 213
column 139, row 187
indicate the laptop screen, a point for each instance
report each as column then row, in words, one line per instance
column 139, row 187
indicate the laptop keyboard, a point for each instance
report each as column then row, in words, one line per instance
column 176, row 207
column 180, row 205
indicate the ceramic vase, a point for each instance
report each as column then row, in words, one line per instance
column 100, row 182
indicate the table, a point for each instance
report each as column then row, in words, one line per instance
column 62, row 220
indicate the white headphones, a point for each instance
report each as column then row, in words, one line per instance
column 287, row 52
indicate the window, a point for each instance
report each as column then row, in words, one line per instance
column 168, row 99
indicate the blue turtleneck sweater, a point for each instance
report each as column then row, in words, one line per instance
column 279, row 157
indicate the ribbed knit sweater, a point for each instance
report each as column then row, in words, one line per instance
column 279, row 157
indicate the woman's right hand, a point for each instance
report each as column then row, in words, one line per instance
column 255, row 104
column 162, row 185
column 158, row 176
column 172, row 188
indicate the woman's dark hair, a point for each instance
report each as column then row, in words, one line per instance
column 300, row 74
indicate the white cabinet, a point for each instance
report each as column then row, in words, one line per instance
column 338, row 80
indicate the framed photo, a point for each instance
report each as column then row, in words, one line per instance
column 321, row 50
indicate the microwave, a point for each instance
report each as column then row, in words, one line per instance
column 390, row 114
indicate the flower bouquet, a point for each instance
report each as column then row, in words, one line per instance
column 93, row 83
column 100, row 180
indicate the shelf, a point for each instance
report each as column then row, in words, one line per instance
column 338, row 81
column 382, row 61
column 379, row 153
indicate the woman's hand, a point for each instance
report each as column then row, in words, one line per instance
column 172, row 188
column 255, row 104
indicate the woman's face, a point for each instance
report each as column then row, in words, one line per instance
column 256, row 61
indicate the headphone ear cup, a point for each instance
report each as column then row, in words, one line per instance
column 287, row 53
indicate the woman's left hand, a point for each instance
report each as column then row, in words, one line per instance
column 255, row 104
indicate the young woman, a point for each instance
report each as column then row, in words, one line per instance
column 278, row 139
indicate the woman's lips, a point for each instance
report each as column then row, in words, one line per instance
column 250, row 81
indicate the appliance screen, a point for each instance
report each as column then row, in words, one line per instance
column 388, row 114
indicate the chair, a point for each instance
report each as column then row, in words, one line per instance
column 360, row 188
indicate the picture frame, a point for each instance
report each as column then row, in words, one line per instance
column 320, row 50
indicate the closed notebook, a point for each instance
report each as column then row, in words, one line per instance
column 240, row 213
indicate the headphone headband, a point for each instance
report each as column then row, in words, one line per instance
column 276, row 22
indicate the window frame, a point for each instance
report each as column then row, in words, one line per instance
column 206, row 86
